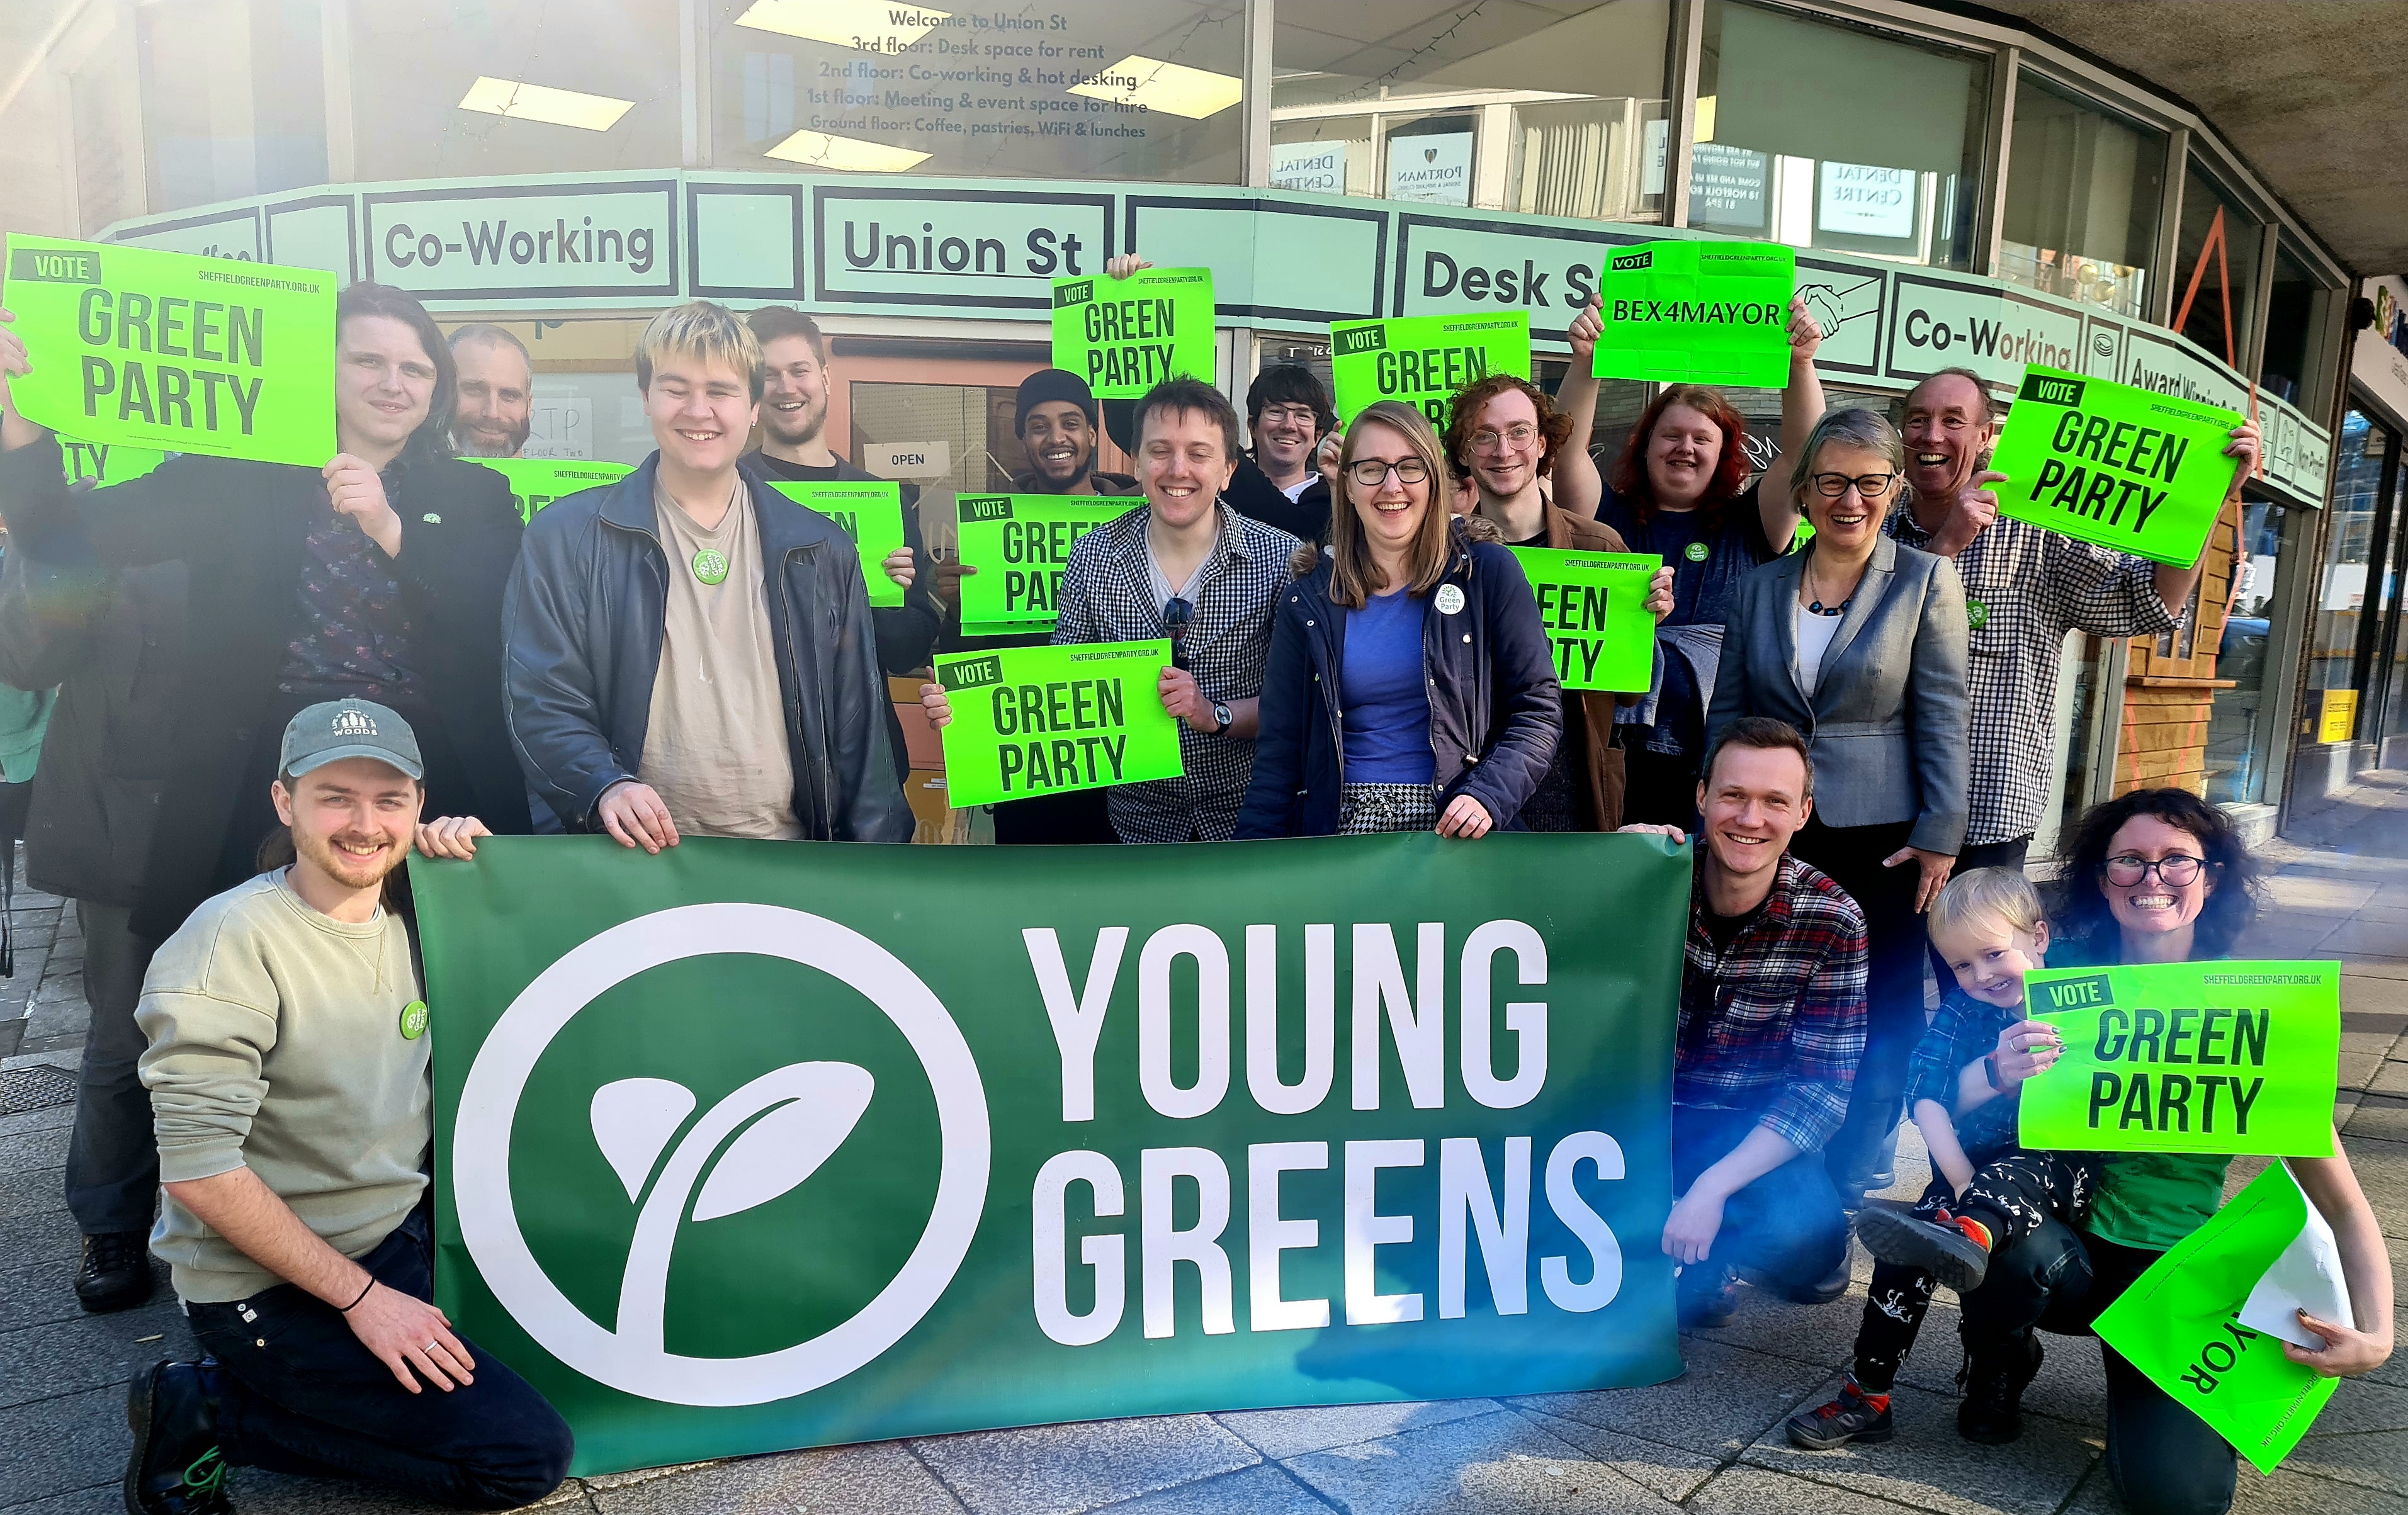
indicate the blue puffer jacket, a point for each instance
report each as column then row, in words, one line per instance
column 1496, row 706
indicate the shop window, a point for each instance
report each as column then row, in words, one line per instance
column 2085, row 190
column 1145, row 90
column 2239, row 741
column 2298, row 332
column 2211, row 267
column 514, row 87
column 2366, row 478
column 232, row 100
column 1823, row 134
column 1553, row 111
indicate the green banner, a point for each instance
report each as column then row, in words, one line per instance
column 1125, row 335
column 2179, row 1323
column 1697, row 312
column 1018, row 543
column 2128, row 468
column 1595, row 607
column 751, row 1146
column 1423, row 360
column 1049, row 720
column 2187, row 1057
column 871, row 513
column 536, row 482
column 175, row 353
column 103, row 464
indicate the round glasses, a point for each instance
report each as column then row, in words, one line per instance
column 1831, row 486
column 1372, row 472
column 2173, row 870
column 1518, row 435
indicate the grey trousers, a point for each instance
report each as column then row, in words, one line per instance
column 112, row 1177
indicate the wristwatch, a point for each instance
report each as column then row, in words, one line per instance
column 1221, row 714
column 1990, row 1070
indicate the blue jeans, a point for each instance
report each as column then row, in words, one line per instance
column 301, row 1394
column 1786, row 1225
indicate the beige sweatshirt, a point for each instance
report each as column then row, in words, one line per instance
column 275, row 1044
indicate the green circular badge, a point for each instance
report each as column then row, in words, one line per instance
column 413, row 1019
column 1695, row 552
column 709, row 565
column 1977, row 614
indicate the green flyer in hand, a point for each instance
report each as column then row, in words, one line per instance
column 1048, row 720
column 1018, row 543
column 2128, row 468
column 2180, row 1323
column 174, row 352
column 536, row 482
column 2187, row 1057
column 101, row 465
column 871, row 513
column 1423, row 360
column 1697, row 312
column 1125, row 335
column 1594, row 609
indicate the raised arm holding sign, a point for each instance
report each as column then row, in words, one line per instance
column 1423, row 360
column 1126, row 335
column 872, row 515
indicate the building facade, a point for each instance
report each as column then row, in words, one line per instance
column 1961, row 191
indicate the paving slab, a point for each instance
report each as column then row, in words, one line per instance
column 2382, row 1168
column 2383, row 1117
column 1291, row 1432
column 1723, row 1402
column 257, row 1492
column 1756, row 1490
column 881, row 1477
column 1267, row 1489
column 1061, row 1469
column 2370, row 1460
column 1501, row 1462
column 57, row 1446
column 1929, row 1467
column 1671, row 1472
column 86, row 1351
column 1821, row 1335
column 37, row 1152
column 100, row 1499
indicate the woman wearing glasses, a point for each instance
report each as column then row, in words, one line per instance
column 2156, row 875
column 1859, row 643
column 1411, row 685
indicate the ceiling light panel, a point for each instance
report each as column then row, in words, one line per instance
column 1174, row 89
column 819, row 150
column 534, row 102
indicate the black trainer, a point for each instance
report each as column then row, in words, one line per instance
column 1708, row 1303
column 176, row 1468
column 1849, row 1418
column 1994, row 1378
column 1826, row 1289
column 115, row 1271
column 1941, row 1248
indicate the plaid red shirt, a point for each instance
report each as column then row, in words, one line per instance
column 1776, row 1023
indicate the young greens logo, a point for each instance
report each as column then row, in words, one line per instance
column 784, row 1124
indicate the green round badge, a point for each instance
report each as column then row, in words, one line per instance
column 413, row 1019
column 1695, row 552
column 709, row 565
column 1977, row 614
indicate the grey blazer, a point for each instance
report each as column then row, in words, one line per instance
column 1887, row 719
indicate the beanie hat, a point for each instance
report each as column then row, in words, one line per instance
column 1050, row 384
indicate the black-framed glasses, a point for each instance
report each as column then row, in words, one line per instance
column 1832, row 486
column 1176, row 615
column 1372, row 472
column 2173, row 870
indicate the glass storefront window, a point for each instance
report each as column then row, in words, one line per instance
column 2239, row 742
column 1823, row 134
column 1072, row 88
column 2244, row 237
column 2298, row 331
column 233, row 99
column 606, row 70
column 2083, row 193
column 2368, row 470
column 1554, row 110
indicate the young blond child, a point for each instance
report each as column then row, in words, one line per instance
column 1986, row 1191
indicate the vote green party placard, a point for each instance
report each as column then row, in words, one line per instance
column 1697, row 312
column 2180, row 1323
column 2128, row 468
column 2187, row 1057
column 871, row 513
column 1125, row 335
column 536, row 482
column 1048, row 720
column 1423, row 360
column 101, row 463
column 1018, row 543
column 175, row 353
column 1594, row 609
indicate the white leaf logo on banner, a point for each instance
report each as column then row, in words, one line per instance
column 633, row 1119
column 787, row 1145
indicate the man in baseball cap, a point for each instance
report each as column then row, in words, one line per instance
column 287, row 1069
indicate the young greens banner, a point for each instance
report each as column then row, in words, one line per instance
column 2187, row 1323
column 1049, row 720
column 871, row 513
column 1595, row 607
column 2187, row 1057
column 1697, row 312
column 175, row 353
column 1423, row 360
column 536, row 482
column 1125, row 335
column 2128, row 468
column 751, row 1146
column 1018, row 543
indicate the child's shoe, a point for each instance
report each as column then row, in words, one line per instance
column 1955, row 1249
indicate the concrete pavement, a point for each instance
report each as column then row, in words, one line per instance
column 1709, row 1442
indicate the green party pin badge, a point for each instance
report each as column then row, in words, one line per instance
column 711, row 566
column 413, row 1019
column 1695, row 552
column 1976, row 614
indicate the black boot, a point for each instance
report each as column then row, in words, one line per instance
column 116, row 1272
column 1997, row 1371
column 176, row 1468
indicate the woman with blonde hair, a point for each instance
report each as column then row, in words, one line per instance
column 1410, row 684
